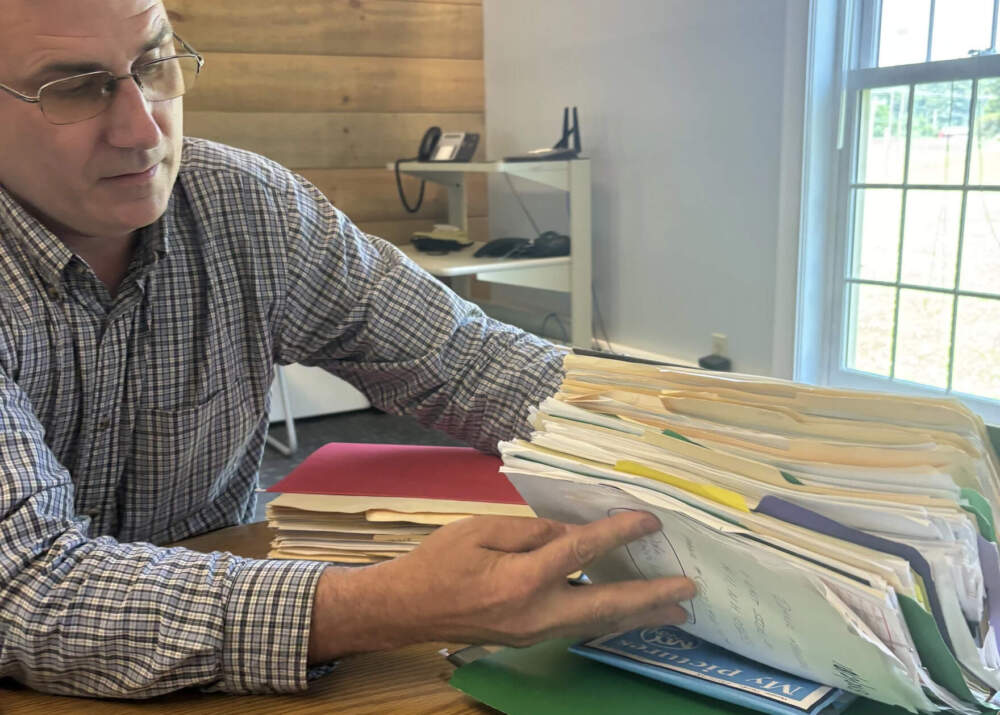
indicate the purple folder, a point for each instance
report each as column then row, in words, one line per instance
column 794, row 514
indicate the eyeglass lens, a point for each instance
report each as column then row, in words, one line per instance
column 76, row 99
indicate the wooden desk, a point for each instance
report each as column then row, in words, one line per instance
column 408, row 680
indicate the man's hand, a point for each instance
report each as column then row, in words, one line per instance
column 491, row 579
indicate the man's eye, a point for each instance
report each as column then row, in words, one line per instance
column 74, row 86
column 162, row 51
column 152, row 70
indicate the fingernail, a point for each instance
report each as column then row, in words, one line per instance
column 688, row 592
column 650, row 523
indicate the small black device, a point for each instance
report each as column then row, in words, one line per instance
column 719, row 363
column 438, row 146
column 501, row 247
column 548, row 245
column 442, row 239
column 562, row 148
column 439, row 246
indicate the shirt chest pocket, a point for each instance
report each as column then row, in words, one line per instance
column 182, row 458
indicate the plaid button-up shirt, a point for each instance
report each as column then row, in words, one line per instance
column 142, row 418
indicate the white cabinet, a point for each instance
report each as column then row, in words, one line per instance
column 313, row 391
column 307, row 392
column 571, row 273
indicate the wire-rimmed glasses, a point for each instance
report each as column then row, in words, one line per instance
column 75, row 99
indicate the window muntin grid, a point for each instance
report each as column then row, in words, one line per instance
column 879, row 333
column 918, row 31
column 898, row 259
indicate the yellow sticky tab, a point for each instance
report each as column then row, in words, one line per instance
column 719, row 495
column 921, row 591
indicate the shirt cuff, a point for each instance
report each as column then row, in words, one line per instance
column 268, row 617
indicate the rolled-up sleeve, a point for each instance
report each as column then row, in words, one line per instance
column 91, row 616
column 267, row 620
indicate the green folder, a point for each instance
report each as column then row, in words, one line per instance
column 546, row 678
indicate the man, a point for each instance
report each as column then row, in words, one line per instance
column 149, row 284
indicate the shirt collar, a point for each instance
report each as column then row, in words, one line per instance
column 154, row 240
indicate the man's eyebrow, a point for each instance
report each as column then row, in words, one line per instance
column 161, row 37
column 66, row 68
column 70, row 68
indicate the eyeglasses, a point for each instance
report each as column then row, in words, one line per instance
column 84, row 96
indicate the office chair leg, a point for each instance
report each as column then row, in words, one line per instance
column 286, row 405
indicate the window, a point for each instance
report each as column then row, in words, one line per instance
column 914, row 221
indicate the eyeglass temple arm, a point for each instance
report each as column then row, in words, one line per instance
column 17, row 95
column 190, row 49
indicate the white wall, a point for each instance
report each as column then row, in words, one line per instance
column 691, row 112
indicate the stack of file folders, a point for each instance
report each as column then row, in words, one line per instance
column 365, row 503
column 845, row 537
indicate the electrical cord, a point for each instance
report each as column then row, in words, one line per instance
column 597, row 305
column 600, row 320
column 402, row 195
column 562, row 326
column 521, row 202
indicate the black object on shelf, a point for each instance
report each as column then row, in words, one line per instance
column 439, row 246
column 719, row 363
column 547, row 245
column 562, row 148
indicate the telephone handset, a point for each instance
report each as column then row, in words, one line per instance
column 428, row 143
column 447, row 146
column 438, row 146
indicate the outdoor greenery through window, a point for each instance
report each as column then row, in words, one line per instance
column 922, row 211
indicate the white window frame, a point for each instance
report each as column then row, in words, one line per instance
column 842, row 33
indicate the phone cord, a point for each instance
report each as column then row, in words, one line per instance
column 402, row 195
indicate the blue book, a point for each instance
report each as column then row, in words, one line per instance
column 670, row 655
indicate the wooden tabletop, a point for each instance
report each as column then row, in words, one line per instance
column 408, row 680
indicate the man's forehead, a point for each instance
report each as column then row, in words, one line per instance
column 40, row 31
column 77, row 18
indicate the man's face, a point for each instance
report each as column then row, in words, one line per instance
column 105, row 176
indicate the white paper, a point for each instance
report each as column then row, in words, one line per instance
column 751, row 600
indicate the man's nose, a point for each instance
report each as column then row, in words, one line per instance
column 132, row 125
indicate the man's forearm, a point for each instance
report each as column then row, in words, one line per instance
column 352, row 613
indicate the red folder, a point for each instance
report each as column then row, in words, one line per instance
column 402, row 471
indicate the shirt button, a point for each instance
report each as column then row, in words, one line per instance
column 54, row 293
column 103, row 424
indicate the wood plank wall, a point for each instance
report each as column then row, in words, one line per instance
column 335, row 89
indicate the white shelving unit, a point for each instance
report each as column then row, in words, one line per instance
column 570, row 273
column 299, row 391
